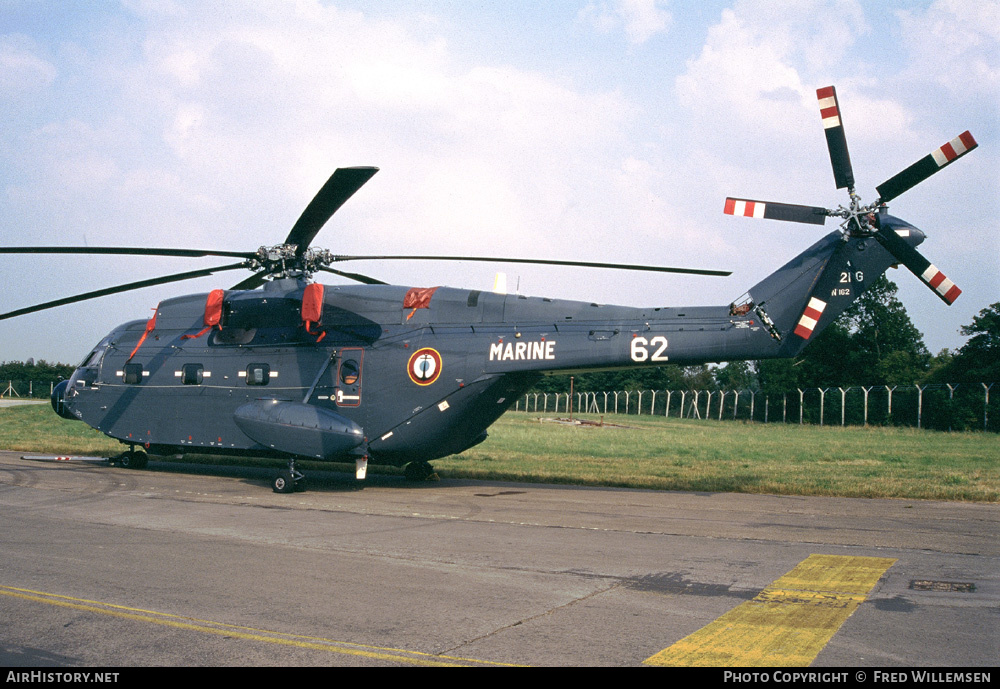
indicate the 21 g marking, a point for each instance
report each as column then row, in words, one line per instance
column 641, row 347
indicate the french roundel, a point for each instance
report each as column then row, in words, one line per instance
column 424, row 366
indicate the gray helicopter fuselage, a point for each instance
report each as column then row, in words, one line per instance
column 380, row 376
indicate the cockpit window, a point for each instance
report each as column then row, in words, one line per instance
column 97, row 353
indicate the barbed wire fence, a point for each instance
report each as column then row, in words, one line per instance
column 939, row 406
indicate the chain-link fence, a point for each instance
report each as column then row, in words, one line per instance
column 943, row 406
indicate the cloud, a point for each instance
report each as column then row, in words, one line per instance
column 639, row 19
column 953, row 43
column 257, row 109
column 760, row 62
column 21, row 69
column 751, row 91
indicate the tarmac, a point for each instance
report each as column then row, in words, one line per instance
column 182, row 565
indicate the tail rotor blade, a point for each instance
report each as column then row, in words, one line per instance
column 813, row 215
column 947, row 290
column 836, row 140
column 926, row 166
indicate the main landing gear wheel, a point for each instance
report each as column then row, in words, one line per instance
column 289, row 480
column 133, row 459
column 418, row 471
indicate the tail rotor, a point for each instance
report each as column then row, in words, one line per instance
column 869, row 220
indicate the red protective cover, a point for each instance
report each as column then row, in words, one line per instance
column 418, row 297
column 213, row 313
column 213, row 307
column 312, row 303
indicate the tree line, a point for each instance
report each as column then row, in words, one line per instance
column 39, row 372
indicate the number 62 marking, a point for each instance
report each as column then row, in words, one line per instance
column 640, row 348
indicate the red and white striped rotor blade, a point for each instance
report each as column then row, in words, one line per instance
column 926, row 166
column 947, row 290
column 836, row 139
column 749, row 208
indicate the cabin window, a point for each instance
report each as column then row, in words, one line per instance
column 132, row 374
column 349, row 372
column 258, row 374
column 192, row 374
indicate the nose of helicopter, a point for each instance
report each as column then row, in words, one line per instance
column 58, row 400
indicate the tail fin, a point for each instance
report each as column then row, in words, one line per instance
column 809, row 292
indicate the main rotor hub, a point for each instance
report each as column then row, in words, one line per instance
column 285, row 260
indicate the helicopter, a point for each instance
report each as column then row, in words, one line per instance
column 282, row 366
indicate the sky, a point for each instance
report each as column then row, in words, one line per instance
column 596, row 130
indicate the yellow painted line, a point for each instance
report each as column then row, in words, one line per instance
column 788, row 623
column 233, row 631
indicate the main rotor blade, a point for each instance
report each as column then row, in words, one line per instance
column 539, row 261
column 121, row 288
column 836, row 140
column 926, row 166
column 121, row 250
column 357, row 277
column 340, row 187
column 252, row 282
column 947, row 290
column 813, row 215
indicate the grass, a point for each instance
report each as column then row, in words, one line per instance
column 712, row 456
column 666, row 454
